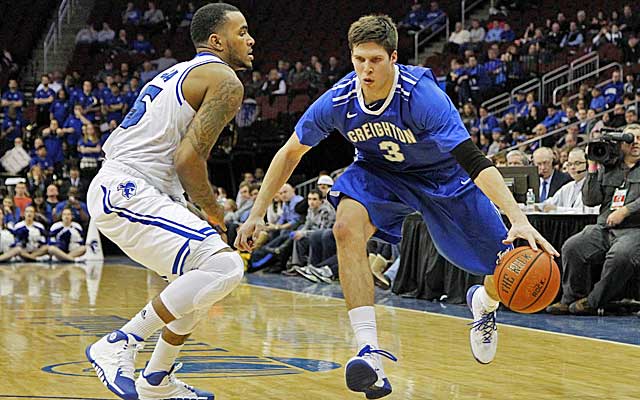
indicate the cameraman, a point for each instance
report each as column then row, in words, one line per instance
column 613, row 242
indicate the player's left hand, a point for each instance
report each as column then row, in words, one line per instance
column 616, row 217
column 524, row 230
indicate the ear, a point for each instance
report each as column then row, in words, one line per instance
column 394, row 57
column 216, row 42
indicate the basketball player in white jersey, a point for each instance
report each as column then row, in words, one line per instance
column 158, row 152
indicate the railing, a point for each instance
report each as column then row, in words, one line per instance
column 558, row 92
column 467, row 6
column 305, row 187
column 553, row 79
column 417, row 42
column 557, row 132
column 66, row 8
column 584, row 65
column 497, row 105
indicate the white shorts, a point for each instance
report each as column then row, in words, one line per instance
column 148, row 225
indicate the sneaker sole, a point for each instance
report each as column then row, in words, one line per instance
column 103, row 378
column 360, row 376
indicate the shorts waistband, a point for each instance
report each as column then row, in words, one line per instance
column 117, row 166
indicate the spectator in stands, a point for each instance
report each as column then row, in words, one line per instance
column 39, row 207
column 629, row 21
column 334, row 72
column 131, row 16
column 476, row 35
column 458, row 38
column 571, row 139
column 7, row 64
column 598, row 101
column 11, row 213
column 569, row 196
column 11, row 127
column 165, row 61
column 569, row 117
column 553, row 118
column 121, row 43
column 612, row 242
column 532, row 119
column 608, row 35
column 630, row 117
column 78, row 207
column 106, row 35
column 573, row 38
column 550, row 179
column 485, row 123
column 320, row 215
column 43, row 99
column 115, row 105
column 73, row 127
column 43, row 160
column 324, row 184
column 51, row 201
column 75, row 181
column 495, row 69
column 31, row 236
column 554, row 38
column 507, row 35
column 274, row 85
column 416, row 19
column 153, row 17
column 89, row 151
column 7, row 252
column 87, row 35
column 60, row 107
column 36, row 181
column 185, row 22
column 54, row 141
column 66, row 239
column 13, row 98
column 434, row 17
column 142, row 46
column 148, row 73
column 494, row 147
column 244, row 203
column 469, row 115
column 494, row 34
column 89, row 102
column 629, row 87
column 479, row 80
column 617, row 117
column 253, row 89
column 134, row 92
column 19, row 158
column 614, row 90
column 581, row 22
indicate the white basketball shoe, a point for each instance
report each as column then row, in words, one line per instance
column 164, row 385
column 113, row 357
column 484, row 331
column 363, row 373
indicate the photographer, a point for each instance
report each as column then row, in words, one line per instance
column 614, row 241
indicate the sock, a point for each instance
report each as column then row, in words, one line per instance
column 145, row 323
column 163, row 357
column 488, row 303
column 363, row 322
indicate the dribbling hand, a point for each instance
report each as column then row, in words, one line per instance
column 248, row 234
column 524, row 230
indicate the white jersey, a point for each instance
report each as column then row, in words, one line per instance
column 149, row 135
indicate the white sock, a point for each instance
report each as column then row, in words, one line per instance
column 163, row 357
column 488, row 303
column 363, row 322
column 145, row 323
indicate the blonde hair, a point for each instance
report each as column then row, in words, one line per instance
column 378, row 29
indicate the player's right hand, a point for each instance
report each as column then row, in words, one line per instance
column 248, row 233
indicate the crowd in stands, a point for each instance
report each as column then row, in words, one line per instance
column 54, row 144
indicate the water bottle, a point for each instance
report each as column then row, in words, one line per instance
column 531, row 199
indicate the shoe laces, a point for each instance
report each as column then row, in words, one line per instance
column 486, row 324
column 173, row 379
column 126, row 359
column 368, row 350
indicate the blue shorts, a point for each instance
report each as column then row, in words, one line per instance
column 465, row 226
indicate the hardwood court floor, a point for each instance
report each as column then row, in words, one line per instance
column 266, row 343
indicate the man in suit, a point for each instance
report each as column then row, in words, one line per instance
column 550, row 179
column 74, row 180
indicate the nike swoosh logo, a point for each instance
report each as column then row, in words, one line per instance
column 349, row 115
column 465, row 181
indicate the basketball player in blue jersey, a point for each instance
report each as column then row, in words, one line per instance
column 413, row 153
column 158, row 152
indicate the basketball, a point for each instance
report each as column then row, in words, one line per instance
column 527, row 280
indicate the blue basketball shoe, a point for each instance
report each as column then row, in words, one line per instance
column 363, row 373
column 164, row 385
column 113, row 357
column 484, row 331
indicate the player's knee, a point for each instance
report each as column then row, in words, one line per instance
column 226, row 271
column 343, row 231
column 186, row 324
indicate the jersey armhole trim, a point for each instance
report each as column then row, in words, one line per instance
column 183, row 76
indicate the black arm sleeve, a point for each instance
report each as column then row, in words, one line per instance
column 471, row 158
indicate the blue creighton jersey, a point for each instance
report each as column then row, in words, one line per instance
column 414, row 130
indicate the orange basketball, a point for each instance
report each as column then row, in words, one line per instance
column 527, row 280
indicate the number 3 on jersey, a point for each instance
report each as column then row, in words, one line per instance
column 393, row 151
column 140, row 107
